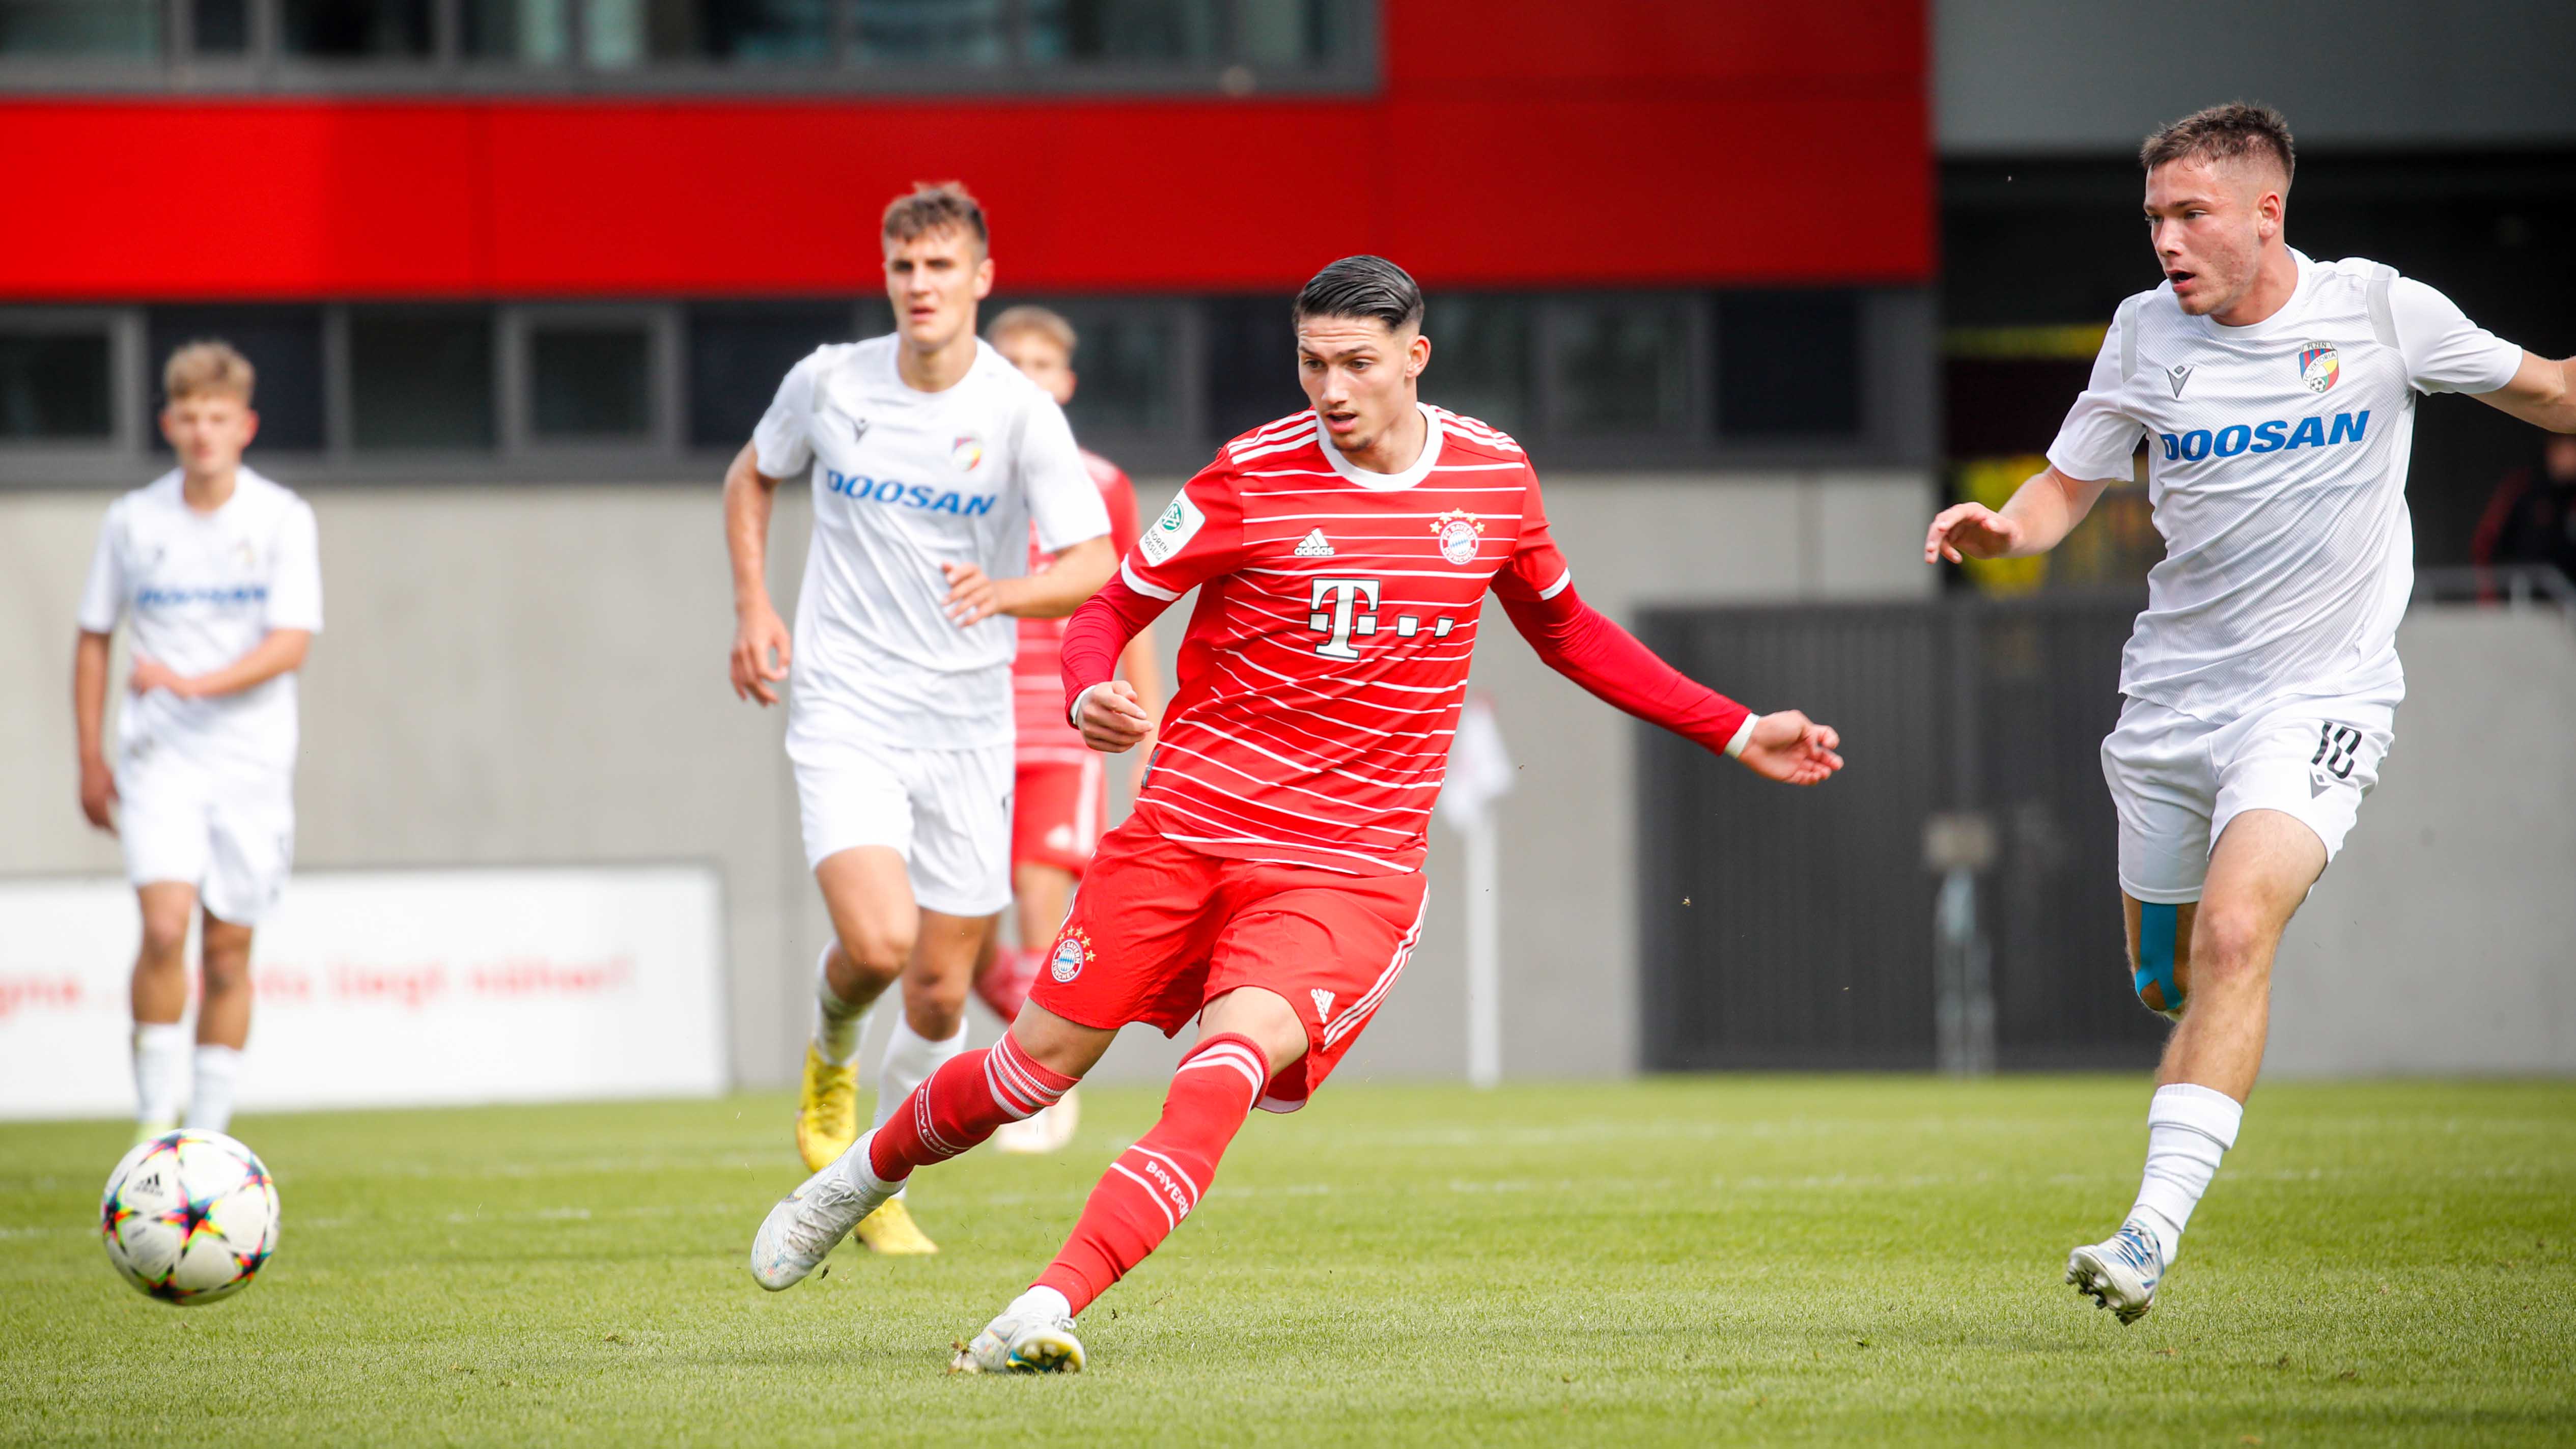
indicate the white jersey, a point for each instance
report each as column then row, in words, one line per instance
column 2276, row 464
column 905, row 481
column 202, row 590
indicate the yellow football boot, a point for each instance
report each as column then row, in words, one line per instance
column 891, row 1230
column 827, row 1111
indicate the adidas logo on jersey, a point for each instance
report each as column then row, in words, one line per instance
column 1323, row 1004
column 1314, row 545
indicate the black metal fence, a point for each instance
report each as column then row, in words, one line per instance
column 1794, row 928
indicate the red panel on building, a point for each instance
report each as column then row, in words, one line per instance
column 1643, row 144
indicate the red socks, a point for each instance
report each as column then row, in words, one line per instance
column 1154, row 1184
column 964, row 1102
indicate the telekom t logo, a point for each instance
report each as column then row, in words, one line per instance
column 1353, row 611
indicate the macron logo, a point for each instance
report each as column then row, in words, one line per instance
column 1314, row 545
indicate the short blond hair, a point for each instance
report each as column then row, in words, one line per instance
column 1044, row 322
column 208, row 365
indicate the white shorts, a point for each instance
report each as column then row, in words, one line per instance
column 2177, row 780
column 233, row 840
column 946, row 812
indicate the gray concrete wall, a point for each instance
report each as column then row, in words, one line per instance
column 2444, row 939
column 536, row 675
column 2042, row 76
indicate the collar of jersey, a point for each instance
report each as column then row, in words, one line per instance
column 2285, row 320
column 1385, row 482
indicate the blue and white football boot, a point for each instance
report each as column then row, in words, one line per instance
column 2120, row 1274
column 810, row 1222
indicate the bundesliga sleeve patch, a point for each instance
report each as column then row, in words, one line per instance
column 1171, row 532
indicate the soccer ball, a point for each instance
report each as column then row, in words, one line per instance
column 189, row 1217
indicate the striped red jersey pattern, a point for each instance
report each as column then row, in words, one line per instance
column 1037, row 695
column 1325, row 663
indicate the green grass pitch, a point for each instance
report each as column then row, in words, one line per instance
column 1754, row 1260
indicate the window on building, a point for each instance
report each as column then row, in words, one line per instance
column 115, row 28
column 283, row 343
column 1124, row 30
column 528, row 32
column 1621, row 365
column 1293, row 32
column 355, row 29
column 1788, row 365
column 590, row 382
column 420, row 377
column 1124, row 363
column 937, row 32
column 219, row 27
column 57, row 385
column 1481, row 358
column 738, row 354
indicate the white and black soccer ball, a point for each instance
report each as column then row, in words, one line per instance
column 189, row 1217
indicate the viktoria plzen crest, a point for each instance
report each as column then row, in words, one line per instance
column 2318, row 366
column 1072, row 953
column 1459, row 532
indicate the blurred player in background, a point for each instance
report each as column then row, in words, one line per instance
column 931, row 461
column 2276, row 399
column 1269, row 882
column 218, row 572
column 1062, row 795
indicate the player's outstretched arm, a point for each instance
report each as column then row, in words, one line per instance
column 1582, row 644
column 762, row 649
column 2036, row 519
column 2542, row 393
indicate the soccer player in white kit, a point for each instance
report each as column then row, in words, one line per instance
column 218, row 574
column 2275, row 396
column 931, row 457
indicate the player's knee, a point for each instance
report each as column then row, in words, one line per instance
column 878, row 955
column 2155, row 966
column 165, row 938
column 2228, row 942
column 935, row 1010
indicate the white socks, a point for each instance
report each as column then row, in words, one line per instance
column 2188, row 1130
column 210, row 1102
column 836, row 1022
column 1040, row 1302
column 160, row 1071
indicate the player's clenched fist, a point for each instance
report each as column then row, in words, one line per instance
column 1973, row 530
column 762, row 651
column 1110, row 719
column 1791, row 748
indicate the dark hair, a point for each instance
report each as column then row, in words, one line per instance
column 932, row 207
column 1362, row 287
column 2237, row 131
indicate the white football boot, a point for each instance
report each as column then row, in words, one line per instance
column 1029, row 1337
column 2121, row 1273
column 810, row 1222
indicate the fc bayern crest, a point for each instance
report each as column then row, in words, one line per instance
column 2319, row 367
column 1072, row 953
column 966, row 453
column 1460, row 533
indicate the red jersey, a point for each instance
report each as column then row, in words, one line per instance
column 1037, row 699
column 1324, row 667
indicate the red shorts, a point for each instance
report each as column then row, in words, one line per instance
column 1056, row 813
column 1159, row 930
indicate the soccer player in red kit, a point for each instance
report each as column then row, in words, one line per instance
column 1269, row 882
